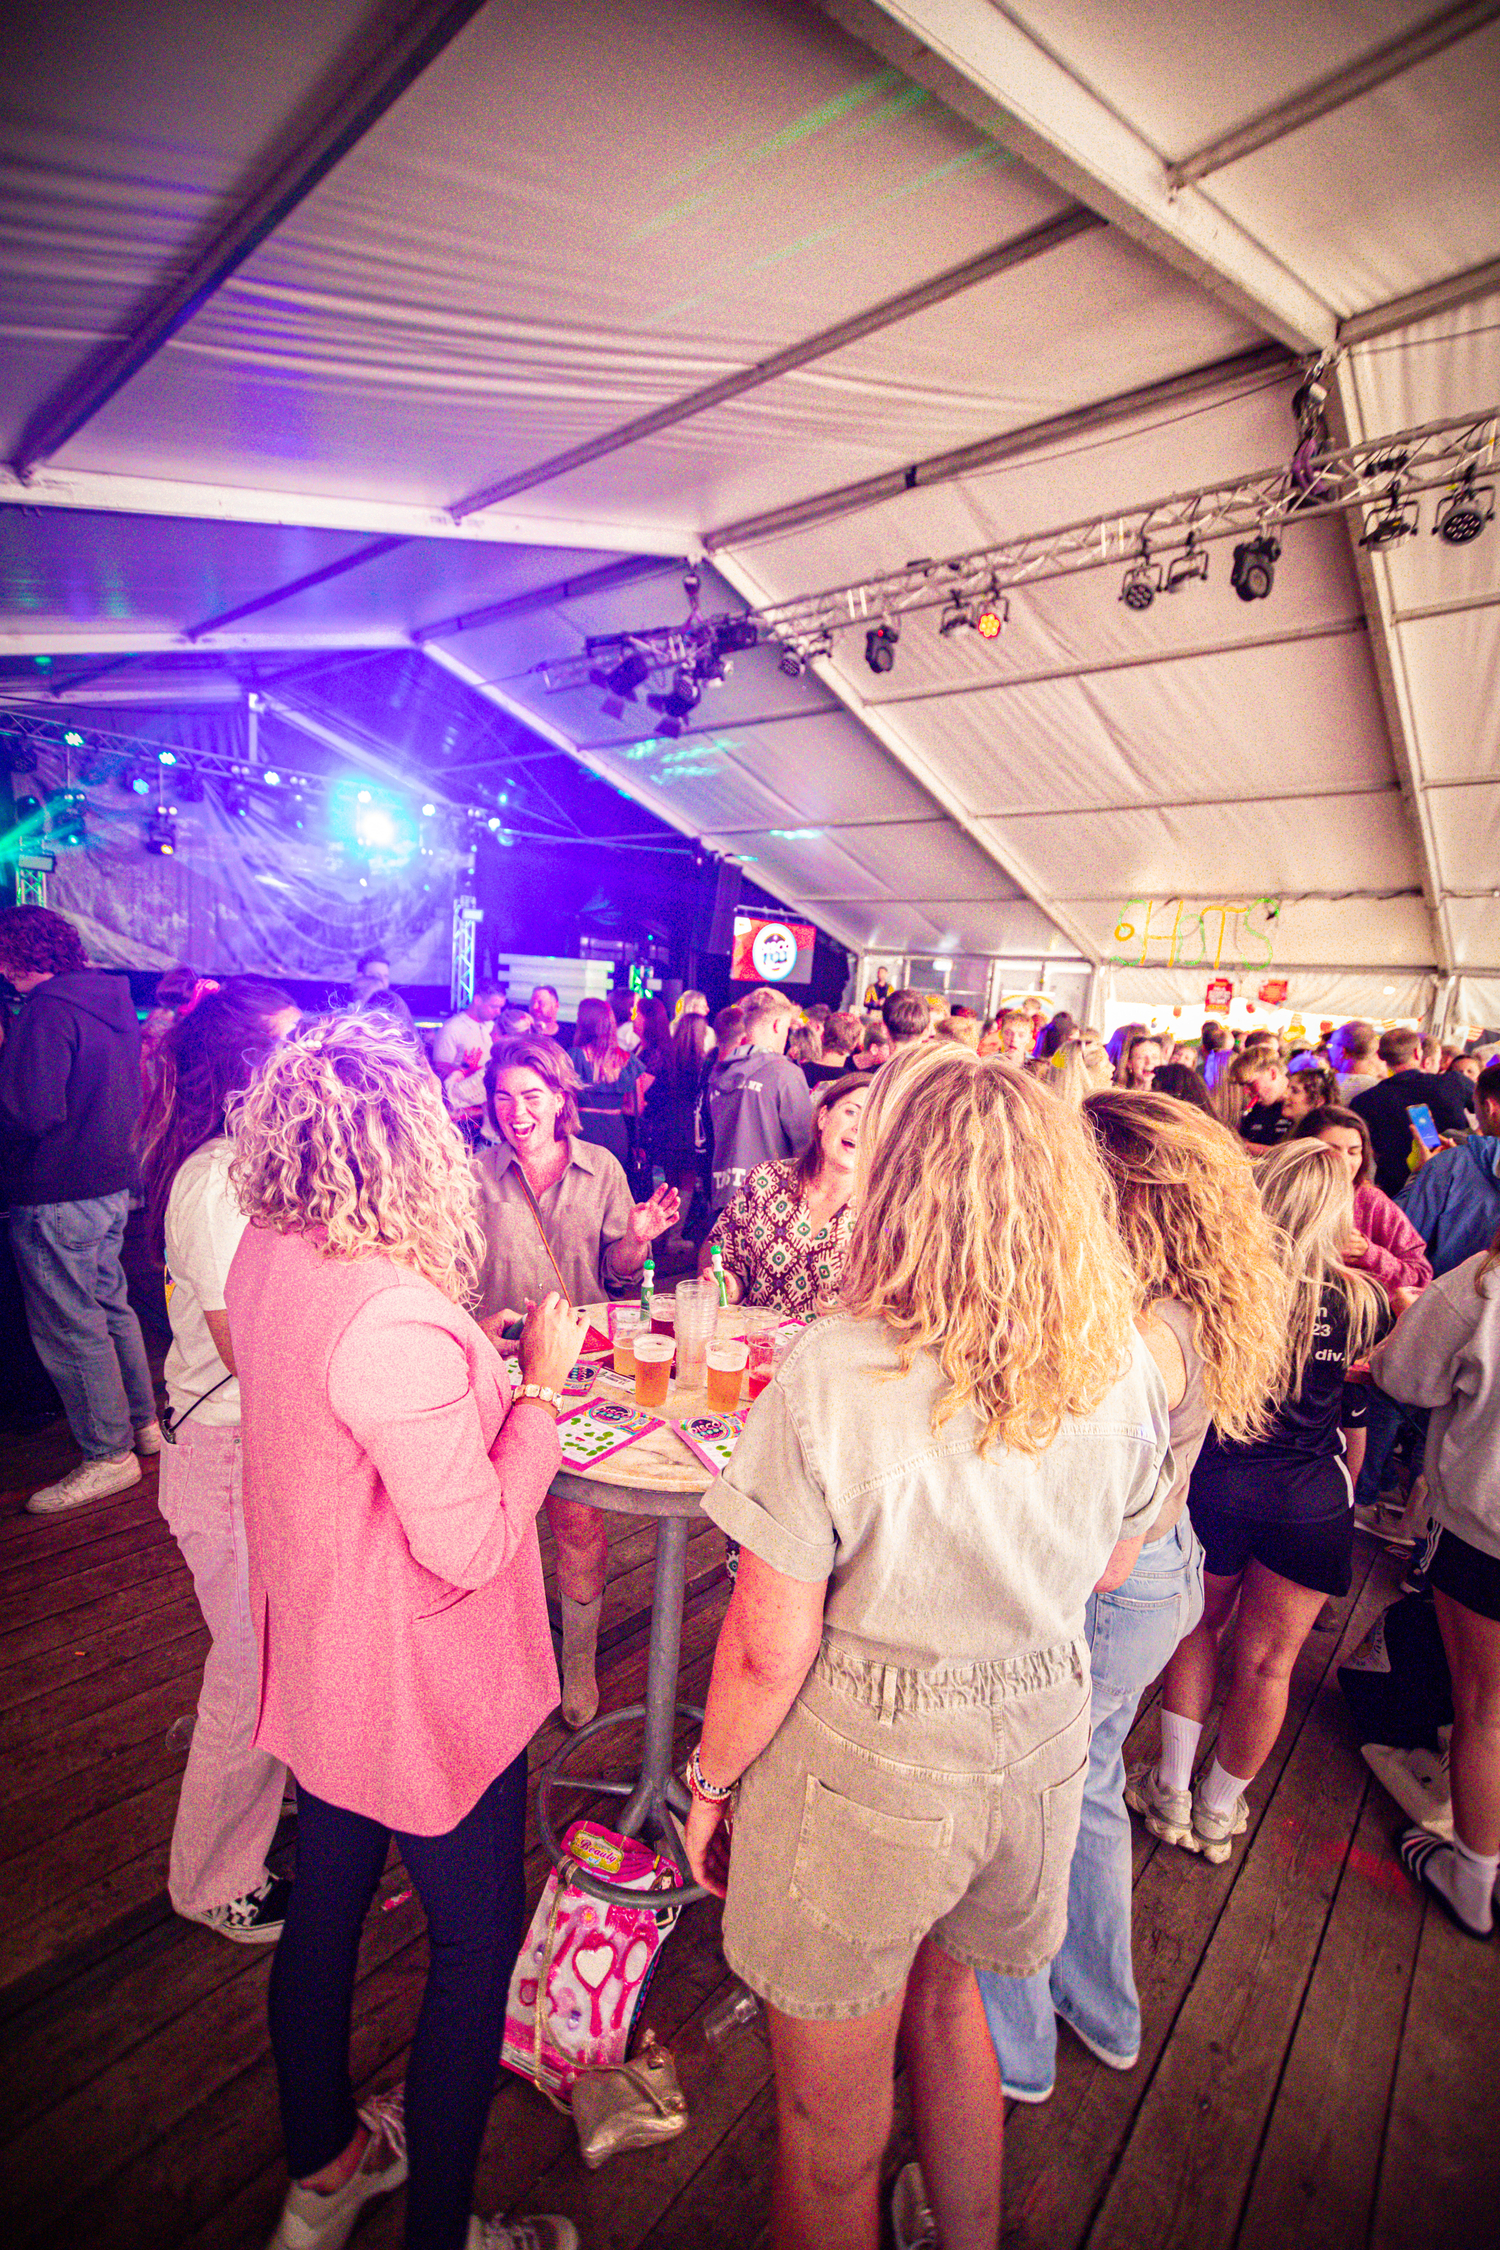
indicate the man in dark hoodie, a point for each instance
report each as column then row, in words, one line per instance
column 70, row 1095
column 758, row 1102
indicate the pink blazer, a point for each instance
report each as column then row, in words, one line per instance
column 391, row 1494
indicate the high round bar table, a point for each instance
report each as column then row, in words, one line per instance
column 657, row 1477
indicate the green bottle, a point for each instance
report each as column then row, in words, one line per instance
column 716, row 1262
column 648, row 1286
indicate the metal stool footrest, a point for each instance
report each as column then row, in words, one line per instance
column 649, row 1801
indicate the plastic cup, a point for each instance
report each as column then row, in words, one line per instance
column 697, row 1319
column 759, row 1350
column 725, row 1362
column 625, row 1324
column 653, row 1365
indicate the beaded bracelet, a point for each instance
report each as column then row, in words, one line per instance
column 706, row 1792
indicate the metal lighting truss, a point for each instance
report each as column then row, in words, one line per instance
column 1380, row 477
column 122, row 752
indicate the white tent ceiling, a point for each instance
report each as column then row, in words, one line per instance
column 283, row 285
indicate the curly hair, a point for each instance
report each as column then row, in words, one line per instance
column 36, row 941
column 344, row 1129
column 546, row 1060
column 1194, row 1228
column 208, row 1055
column 985, row 1234
column 1309, row 1199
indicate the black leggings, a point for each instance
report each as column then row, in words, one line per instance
column 472, row 1887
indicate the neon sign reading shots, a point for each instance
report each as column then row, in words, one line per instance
column 1216, row 933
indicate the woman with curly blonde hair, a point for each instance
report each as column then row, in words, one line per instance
column 1274, row 1510
column 925, row 1495
column 1214, row 1309
column 391, row 1480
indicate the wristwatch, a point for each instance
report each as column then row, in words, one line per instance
column 543, row 1393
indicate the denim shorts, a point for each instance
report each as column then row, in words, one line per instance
column 895, row 1804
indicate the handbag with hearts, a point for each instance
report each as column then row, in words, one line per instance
column 581, row 1976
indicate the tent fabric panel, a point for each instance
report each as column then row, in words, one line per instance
column 924, row 860
column 425, row 580
column 1453, row 669
column 1318, row 996
column 1475, row 927
column 1350, row 845
column 1467, row 826
column 1477, row 1002
column 990, row 926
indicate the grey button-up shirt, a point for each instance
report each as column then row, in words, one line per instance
column 584, row 1212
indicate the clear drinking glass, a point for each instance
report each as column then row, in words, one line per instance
column 725, row 1361
column 697, row 1319
column 625, row 1324
column 653, row 1365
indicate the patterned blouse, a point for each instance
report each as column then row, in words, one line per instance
column 769, row 1244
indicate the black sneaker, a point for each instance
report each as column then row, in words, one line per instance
column 254, row 1919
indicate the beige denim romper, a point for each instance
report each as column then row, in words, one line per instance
column 929, row 1776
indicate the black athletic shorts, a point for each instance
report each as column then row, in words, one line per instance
column 1318, row 1554
column 1467, row 1575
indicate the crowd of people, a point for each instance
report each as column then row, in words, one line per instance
column 1097, row 1338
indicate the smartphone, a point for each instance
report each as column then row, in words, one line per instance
column 1424, row 1126
column 511, row 1332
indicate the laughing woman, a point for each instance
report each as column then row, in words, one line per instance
column 785, row 1234
column 925, row 1494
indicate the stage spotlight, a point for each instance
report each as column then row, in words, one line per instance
column 630, row 673
column 290, row 813
column 880, row 646
column 732, row 634
column 792, row 663
column 188, row 785
column 132, row 782
column 166, row 757
column 30, row 815
column 66, row 825
column 237, row 800
column 429, row 812
column 1254, row 572
column 990, row 621
column 1139, row 587
column 19, row 755
column 956, row 618
column 1390, row 521
column 73, row 739
column 1463, row 516
column 684, row 697
column 161, row 833
column 374, row 827
column 271, row 778
column 1183, row 569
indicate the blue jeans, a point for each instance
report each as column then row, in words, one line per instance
column 1385, row 1418
column 86, row 1336
column 1091, row 1984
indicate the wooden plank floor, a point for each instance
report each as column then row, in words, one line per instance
column 1321, row 2065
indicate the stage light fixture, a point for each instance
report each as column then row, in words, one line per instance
column 991, row 620
column 188, row 785
column 19, row 755
column 429, row 812
column 880, row 646
column 73, row 739
column 237, row 800
column 271, row 778
column 374, row 827
column 1139, row 587
column 30, row 814
column 1190, row 565
column 632, row 671
column 683, row 698
column 1463, row 515
column 290, row 813
column 732, row 634
column 792, row 663
column 956, row 618
column 66, row 825
column 166, row 757
column 1390, row 521
column 1254, row 572
column 161, row 833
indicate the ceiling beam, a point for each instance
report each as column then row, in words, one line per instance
column 1422, row 304
column 653, row 800
column 1340, row 87
column 988, row 453
column 936, row 290
column 1347, row 426
column 103, row 492
column 890, row 735
column 377, row 83
column 626, row 572
column 134, row 640
column 987, row 68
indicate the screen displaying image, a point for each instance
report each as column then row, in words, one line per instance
column 771, row 952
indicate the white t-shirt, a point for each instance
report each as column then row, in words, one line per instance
column 203, row 1228
column 458, row 1038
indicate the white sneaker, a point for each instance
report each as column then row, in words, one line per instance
column 544, row 2231
column 1168, row 1813
column 912, row 2222
column 310, row 2221
column 1214, row 1832
column 91, row 1480
column 148, row 1439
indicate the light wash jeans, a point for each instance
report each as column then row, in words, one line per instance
column 231, row 1792
column 1091, row 1983
column 86, row 1336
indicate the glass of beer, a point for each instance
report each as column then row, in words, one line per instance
column 625, row 1324
column 653, row 1364
column 726, row 1367
column 663, row 1314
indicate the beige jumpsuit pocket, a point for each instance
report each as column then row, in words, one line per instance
column 872, row 1878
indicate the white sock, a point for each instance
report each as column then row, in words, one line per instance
column 1467, row 1881
column 1219, row 1791
column 1179, row 1747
